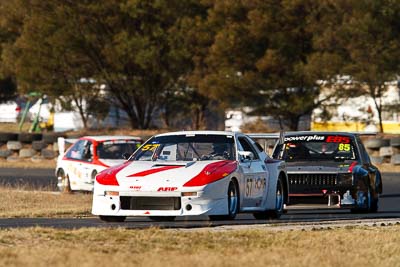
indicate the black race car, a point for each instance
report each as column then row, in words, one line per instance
column 334, row 165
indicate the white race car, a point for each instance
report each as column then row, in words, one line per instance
column 188, row 173
column 77, row 168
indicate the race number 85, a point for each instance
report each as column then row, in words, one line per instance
column 344, row 147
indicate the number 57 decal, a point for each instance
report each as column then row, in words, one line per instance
column 150, row 147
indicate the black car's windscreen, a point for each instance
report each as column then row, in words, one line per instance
column 316, row 147
column 187, row 148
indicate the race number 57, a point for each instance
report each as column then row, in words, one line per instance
column 150, row 147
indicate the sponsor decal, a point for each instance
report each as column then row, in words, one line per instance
column 166, row 189
column 315, row 137
column 307, row 138
column 338, row 139
column 135, row 187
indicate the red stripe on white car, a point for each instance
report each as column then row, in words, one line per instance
column 152, row 171
column 109, row 176
column 213, row 172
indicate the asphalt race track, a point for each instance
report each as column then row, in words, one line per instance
column 299, row 214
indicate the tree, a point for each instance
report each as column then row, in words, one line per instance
column 7, row 89
column 39, row 54
column 129, row 46
column 258, row 55
column 365, row 36
column 10, row 26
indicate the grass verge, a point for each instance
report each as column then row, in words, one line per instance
column 21, row 203
column 367, row 246
column 29, row 164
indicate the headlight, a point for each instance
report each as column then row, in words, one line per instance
column 189, row 194
column 111, row 193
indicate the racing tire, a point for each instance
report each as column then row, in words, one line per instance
column 26, row 152
column 5, row 137
column 5, row 153
column 49, row 138
column 14, row 145
column 279, row 204
column 395, row 141
column 112, row 218
column 29, row 137
column 395, row 159
column 48, row 153
column 162, row 218
column 64, row 185
column 376, row 143
column 38, row 145
column 233, row 203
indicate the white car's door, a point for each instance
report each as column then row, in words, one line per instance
column 255, row 175
column 79, row 165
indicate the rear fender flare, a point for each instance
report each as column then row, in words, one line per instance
column 360, row 174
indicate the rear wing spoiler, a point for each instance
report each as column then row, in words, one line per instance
column 267, row 140
column 365, row 133
column 64, row 143
column 263, row 135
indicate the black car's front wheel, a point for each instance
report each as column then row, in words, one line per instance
column 368, row 204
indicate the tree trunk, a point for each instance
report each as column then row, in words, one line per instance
column 81, row 112
column 294, row 122
column 379, row 110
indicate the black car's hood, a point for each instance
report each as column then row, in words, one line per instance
column 318, row 166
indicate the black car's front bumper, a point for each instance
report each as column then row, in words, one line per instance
column 338, row 188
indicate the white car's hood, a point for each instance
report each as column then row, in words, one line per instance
column 171, row 176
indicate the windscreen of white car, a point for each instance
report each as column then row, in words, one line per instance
column 187, row 148
column 115, row 149
column 316, row 148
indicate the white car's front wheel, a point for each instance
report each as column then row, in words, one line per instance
column 63, row 182
column 279, row 204
column 233, row 203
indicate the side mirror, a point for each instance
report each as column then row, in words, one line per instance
column 126, row 155
column 246, row 155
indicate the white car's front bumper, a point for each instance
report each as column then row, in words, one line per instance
column 157, row 204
